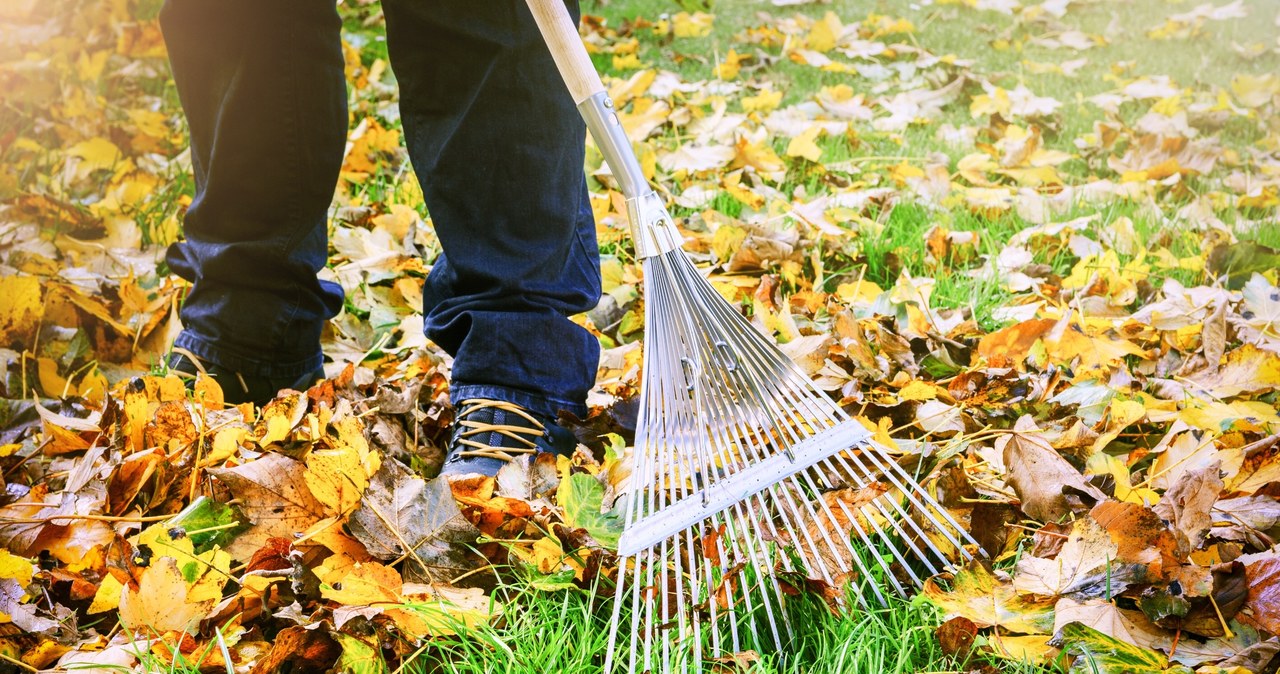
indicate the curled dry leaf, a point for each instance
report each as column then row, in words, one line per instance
column 1187, row 504
column 1049, row 487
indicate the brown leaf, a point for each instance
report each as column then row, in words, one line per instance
column 1263, row 574
column 1187, row 504
column 272, row 492
column 402, row 514
column 1048, row 486
column 1254, row 658
column 1140, row 535
column 956, row 636
column 1244, row 518
column 988, row 523
column 304, row 650
column 1087, row 567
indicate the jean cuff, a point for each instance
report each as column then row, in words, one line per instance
column 220, row 355
column 538, row 404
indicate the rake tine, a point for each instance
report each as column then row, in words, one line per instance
column 779, row 429
column 763, row 400
column 859, row 474
column 719, row 438
column 811, row 402
column 918, row 496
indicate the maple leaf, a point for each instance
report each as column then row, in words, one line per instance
column 1085, row 568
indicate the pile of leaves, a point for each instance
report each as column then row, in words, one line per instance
column 1064, row 308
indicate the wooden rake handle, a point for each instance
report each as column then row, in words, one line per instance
column 571, row 57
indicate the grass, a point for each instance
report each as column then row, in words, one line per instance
column 564, row 632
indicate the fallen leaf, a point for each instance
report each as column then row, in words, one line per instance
column 403, row 515
column 160, row 603
column 1048, row 486
column 1087, row 567
column 273, row 494
column 1187, row 504
column 582, row 498
column 977, row 594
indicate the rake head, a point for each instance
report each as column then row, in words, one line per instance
column 745, row 475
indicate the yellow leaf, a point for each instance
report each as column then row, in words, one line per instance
column 440, row 610
column 903, row 172
column 17, row 568
column 626, row 62
column 732, row 184
column 804, row 145
column 21, row 307
column 338, row 476
column 95, row 154
column 974, row 168
column 214, row 569
column 225, row 444
column 994, row 103
column 1244, row 415
column 729, row 67
column 761, row 157
column 762, row 102
column 825, row 33
column 861, row 292
column 697, row 24
column 918, row 390
column 108, row 595
column 161, row 601
column 1104, row 464
column 365, row 583
column 1255, row 91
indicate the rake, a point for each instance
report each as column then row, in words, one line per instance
column 746, row 477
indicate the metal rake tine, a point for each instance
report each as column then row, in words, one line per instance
column 683, row 414
column 789, row 432
column 892, row 470
column 860, row 473
column 756, row 352
column 726, row 456
column 765, row 351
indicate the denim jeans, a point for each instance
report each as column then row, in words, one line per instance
column 494, row 139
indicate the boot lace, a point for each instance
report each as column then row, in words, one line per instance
column 524, row 436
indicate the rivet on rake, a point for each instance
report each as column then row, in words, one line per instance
column 727, row 356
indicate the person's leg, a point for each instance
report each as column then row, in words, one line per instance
column 263, row 90
column 498, row 147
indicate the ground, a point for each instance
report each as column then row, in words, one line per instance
column 1033, row 246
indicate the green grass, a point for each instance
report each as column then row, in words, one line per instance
column 564, row 632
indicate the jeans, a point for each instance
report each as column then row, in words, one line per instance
column 494, row 139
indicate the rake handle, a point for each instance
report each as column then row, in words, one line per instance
column 561, row 35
